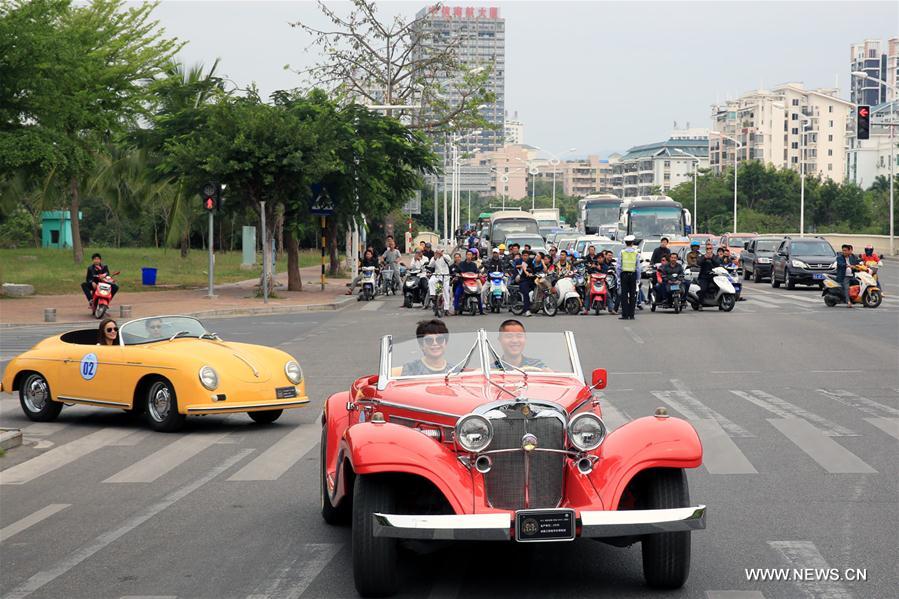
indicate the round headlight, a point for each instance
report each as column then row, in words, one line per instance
column 209, row 378
column 294, row 372
column 474, row 433
column 586, row 431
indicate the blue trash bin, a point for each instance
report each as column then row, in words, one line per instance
column 148, row 275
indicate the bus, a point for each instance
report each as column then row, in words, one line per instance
column 598, row 214
column 653, row 217
column 508, row 223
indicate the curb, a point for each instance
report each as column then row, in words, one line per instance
column 226, row 312
column 9, row 438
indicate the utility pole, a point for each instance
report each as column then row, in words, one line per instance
column 265, row 256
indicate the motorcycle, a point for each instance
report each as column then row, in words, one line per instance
column 412, row 288
column 389, row 281
column 674, row 297
column 471, row 295
column 497, row 293
column 368, row 283
column 569, row 298
column 102, row 295
column 598, row 291
column 736, row 273
column 863, row 289
column 540, row 300
column 721, row 291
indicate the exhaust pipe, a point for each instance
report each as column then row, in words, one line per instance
column 483, row 464
column 585, row 465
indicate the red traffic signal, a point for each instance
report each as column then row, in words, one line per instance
column 863, row 122
column 864, row 111
column 212, row 196
column 209, row 204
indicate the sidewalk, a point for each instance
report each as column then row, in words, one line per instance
column 231, row 299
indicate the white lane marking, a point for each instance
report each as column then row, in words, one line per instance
column 612, row 416
column 60, row 456
column 805, row 299
column 31, row 520
column 888, row 425
column 762, row 302
column 277, row 459
column 132, row 439
column 734, row 595
column 863, row 404
column 44, row 577
column 295, row 574
column 774, row 299
column 785, row 409
column 692, row 409
column 639, row 372
column 372, row 306
column 720, row 455
column 804, row 554
column 164, row 460
column 149, row 597
column 829, row 454
column 633, row 335
column 735, row 371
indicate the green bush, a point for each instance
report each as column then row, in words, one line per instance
column 17, row 231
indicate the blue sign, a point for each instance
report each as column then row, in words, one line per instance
column 89, row 366
column 321, row 204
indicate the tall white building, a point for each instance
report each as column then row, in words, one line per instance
column 514, row 130
column 869, row 58
column 662, row 165
column 785, row 126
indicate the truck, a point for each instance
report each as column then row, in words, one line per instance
column 547, row 219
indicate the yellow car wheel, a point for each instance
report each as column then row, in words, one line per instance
column 162, row 407
column 35, row 398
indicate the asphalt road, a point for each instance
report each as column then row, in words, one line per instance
column 797, row 405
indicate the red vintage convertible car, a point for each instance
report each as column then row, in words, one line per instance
column 496, row 437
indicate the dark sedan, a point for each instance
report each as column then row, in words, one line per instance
column 756, row 257
column 802, row 261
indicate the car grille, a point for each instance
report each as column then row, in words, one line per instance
column 541, row 472
column 819, row 265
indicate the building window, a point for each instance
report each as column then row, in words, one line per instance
column 795, row 145
column 830, row 152
column 830, row 109
column 830, row 138
column 795, row 131
column 667, row 164
column 829, row 166
column 794, row 117
column 830, row 124
column 795, row 102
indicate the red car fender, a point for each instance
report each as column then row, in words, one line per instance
column 374, row 448
column 648, row 442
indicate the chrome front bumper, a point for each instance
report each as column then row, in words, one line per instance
column 498, row 527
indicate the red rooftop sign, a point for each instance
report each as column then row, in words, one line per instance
column 468, row 12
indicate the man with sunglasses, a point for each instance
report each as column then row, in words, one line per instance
column 155, row 328
column 432, row 338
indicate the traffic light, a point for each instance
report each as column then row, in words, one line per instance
column 212, row 196
column 863, row 120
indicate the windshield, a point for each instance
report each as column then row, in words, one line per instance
column 649, row 246
column 504, row 228
column 160, row 328
column 547, row 224
column 656, row 222
column 531, row 240
column 600, row 214
column 766, row 246
column 737, row 242
column 812, row 248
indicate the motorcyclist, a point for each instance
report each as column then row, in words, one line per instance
column 419, row 262
column 706, row 263
column 873, row 262
column 668, row 268
column 694, row 254
column 472, row 239
column 96, row 272
column 368, row 259
column 455, row 271
column 845, row 261
column 469, row 265
column 592, row 260
column 564, row 266
column 392, row 259
column 428, row 252
column 495, row 263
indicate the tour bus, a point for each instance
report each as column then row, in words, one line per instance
column 510, row 222
column 652, row 217
column 598, row 214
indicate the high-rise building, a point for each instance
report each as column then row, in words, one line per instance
column 479, row 36
column 514, row 130
column 868, row 57
column 578, row 177
column 785, row 126
column 660, row 165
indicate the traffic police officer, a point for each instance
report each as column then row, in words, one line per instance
column 628, row 260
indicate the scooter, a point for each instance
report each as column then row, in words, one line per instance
column 412, row 291
column 471, row 295
column 569, row 298
column 674, row 297
column 721, row 291
column 736, row 273
column 863, row 289
column 497, row 293
column 102, row 295
column 389, row 281
column 540, row 300
column 369, row 283
column 598, row 292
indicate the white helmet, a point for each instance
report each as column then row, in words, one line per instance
column 629, row 238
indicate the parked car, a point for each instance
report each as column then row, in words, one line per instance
column 756, row 258
column 802, row 261
column 496, row 437
column 735, row 242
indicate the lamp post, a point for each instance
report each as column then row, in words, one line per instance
column 456, row 181
column 505, row 179
column 695, row 169
column 555, row 162
column 864, row 75
column 739, row 145
column 805, row 120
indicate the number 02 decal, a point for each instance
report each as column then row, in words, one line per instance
column 89, row 366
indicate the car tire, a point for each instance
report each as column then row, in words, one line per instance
column 666, row 556
column 789, row 283
column 265, row 416
column 36, row 399
column 774, row 282
column 374, row 558
column 335, row 516
column 162, row 407
column 756, row 276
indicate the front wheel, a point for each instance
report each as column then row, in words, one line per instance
column 100, row 311
column 330, row 514
column 666, row 556
column 774, row 282
column 407, row 300
column 439, row 307
column 374, row 558
column 162, row 407
column 727, row 302
column 788, row 280
column 756, row 276
column 572, row 306
column 872, row 298
column 471, row 304
column 677, row 305
column 830, row 301
column 265, row 416
column 34, row 396
column 550, row 305
column 517, row 307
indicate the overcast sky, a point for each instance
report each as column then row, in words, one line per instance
column 597, row 76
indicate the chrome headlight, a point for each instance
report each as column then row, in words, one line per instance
column 473, row 433
column 799, row 264
column 209, row 378
column 294, row 372
column 586, row 431
column 763, row 260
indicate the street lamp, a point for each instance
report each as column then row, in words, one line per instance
column 505, row 180
column 695, row 169
column 555, row 162
column 456, row 180
column 736, row 153
column 864, row 75
column 805, row 120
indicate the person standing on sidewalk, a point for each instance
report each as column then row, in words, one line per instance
column 628, row 261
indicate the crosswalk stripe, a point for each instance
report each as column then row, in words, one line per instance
column 734, row 595
column 863, row 404
column 278, row 458
column 829, row 454
column 785, row 409
column 804, row 554
column 32, row 519
column 720, row 455
column 149, row 597
column 762, row 302
column 60, row 456
column 692, row 409
column 807, row 300
column 888, row 425
column 372, row 306
column 131, row 440
column 296, row 573
column 43, row 429
column 166, row 459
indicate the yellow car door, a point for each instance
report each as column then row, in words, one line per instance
column 91, row 374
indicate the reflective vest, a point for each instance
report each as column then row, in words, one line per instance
column 629, row 260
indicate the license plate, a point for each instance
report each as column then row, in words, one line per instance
column 674, row 287
column 285, row 392
column 544, row 525
column 818, row 276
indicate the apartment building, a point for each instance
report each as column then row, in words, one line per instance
column 661, row 165
column 578, row 177
column 514, row 130
column 868, row 57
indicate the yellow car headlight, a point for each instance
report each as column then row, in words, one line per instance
column 294, row 372
column 209, row 378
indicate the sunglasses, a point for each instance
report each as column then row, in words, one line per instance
column 433, row 340
column 112, row 329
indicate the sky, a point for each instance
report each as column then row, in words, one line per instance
column 596, row 76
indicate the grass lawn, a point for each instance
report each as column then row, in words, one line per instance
column 52, row 271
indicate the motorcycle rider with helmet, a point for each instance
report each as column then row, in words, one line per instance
column 694, row 254
column 873, row 262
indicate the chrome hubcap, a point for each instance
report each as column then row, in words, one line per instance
column 36, row 393
column 160, row 402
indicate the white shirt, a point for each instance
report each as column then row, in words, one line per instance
column 440, row 264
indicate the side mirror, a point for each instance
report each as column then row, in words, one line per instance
column 600, row 378
column 746, row 245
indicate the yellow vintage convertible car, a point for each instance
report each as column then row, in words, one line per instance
column 168, row 367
